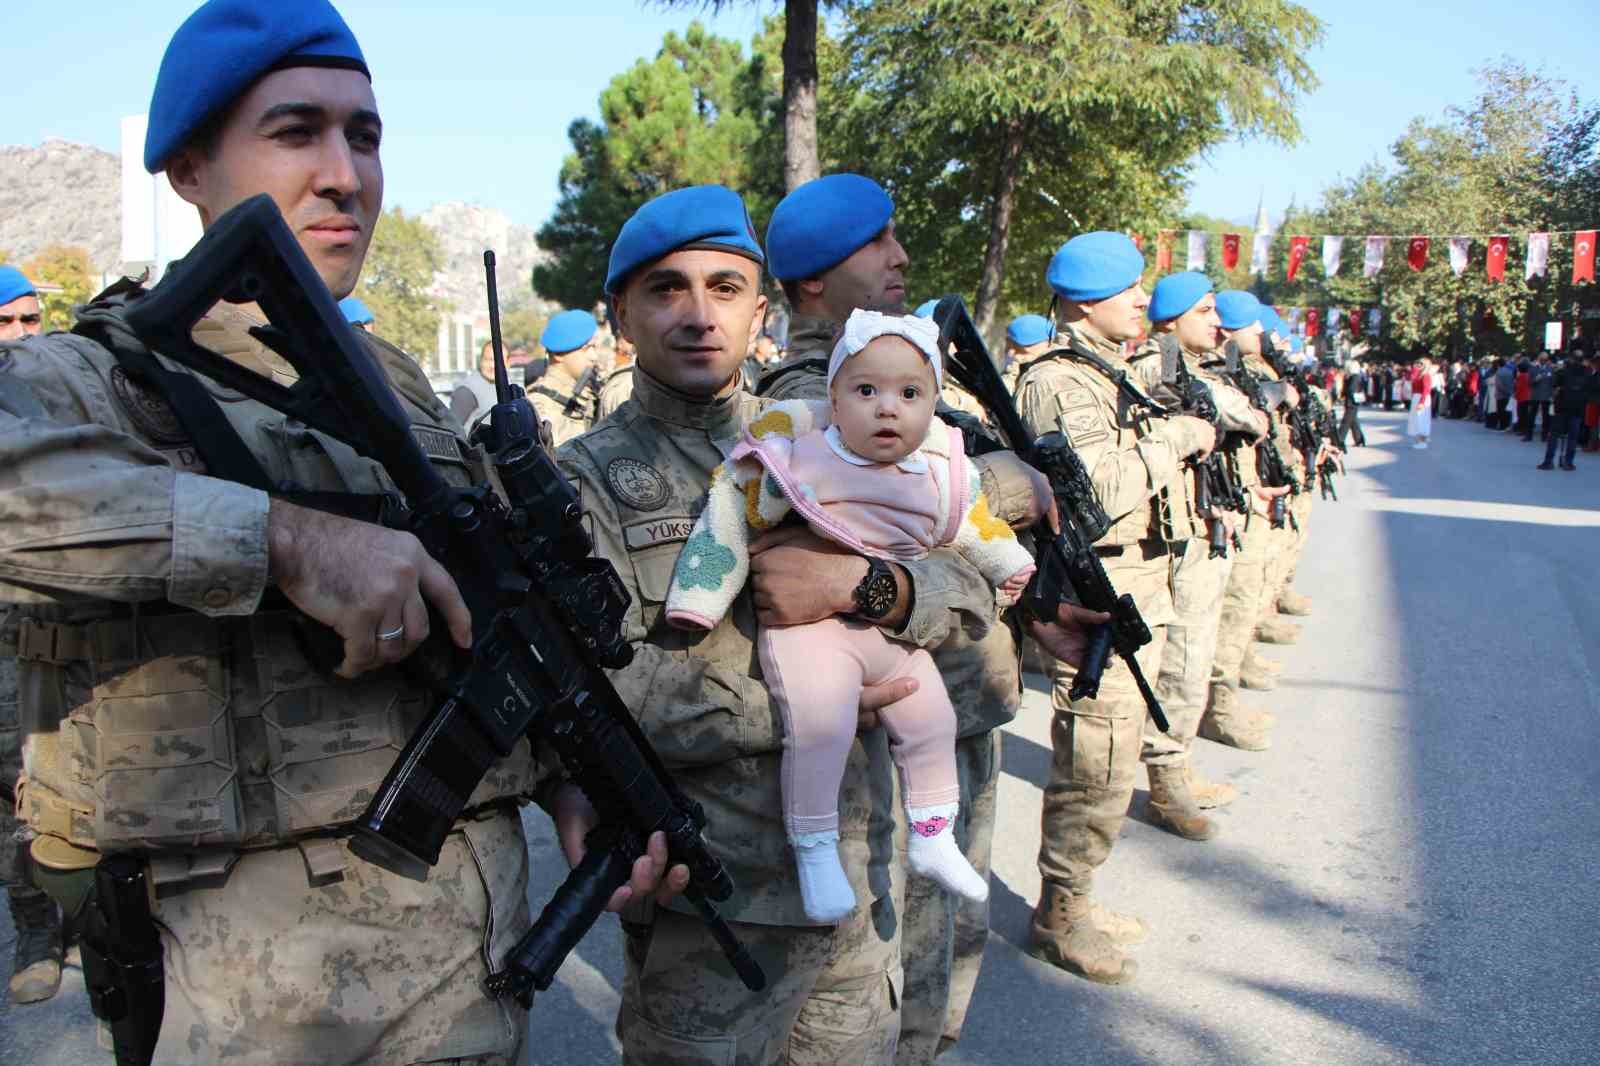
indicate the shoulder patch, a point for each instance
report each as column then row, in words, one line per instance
column 637, row 484
column 1078, row 398
column 148, row 411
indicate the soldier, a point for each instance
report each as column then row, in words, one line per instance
column 619, row 383
column 1184, row 315
column 157, row 653
column 1285, row 550
column 1027, row 338
column 829, row 268
column 357, row 314
column 1082, row 390
column 685, row 280
column 1226, row 721
column 20, row 315
column 565, row 395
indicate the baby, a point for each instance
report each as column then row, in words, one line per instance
column 874, row 471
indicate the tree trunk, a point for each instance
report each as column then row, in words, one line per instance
column 800, row 161
column 994, row 257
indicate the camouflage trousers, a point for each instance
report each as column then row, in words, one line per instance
column 944, row 936
column 832, row 995
column 1241, row 600
column 1285, row 553
column 1184, row 684
column 374, row 969
column 1096, row 743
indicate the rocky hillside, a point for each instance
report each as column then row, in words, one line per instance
column 61, row 193
column 466, row 230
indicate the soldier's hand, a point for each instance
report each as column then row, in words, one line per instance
column 575, row 817
column 1263, row 423
column 876, row 697
column 1291, row 395
column 1068, row 637
column 1266, row 492
column 1205, row 434
column 362, row 580
column 797, row 577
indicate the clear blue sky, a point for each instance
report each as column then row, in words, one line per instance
column 477, row 94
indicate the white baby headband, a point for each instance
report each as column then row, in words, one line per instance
column 864, row 327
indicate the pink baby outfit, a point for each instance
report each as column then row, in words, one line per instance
column 817, row 671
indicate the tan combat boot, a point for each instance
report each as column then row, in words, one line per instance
column 36, row 971
column 1254, row 677
column 1173, row 808
column 1275, row 630
column 1209, row 794
column 1225, row 722
column 1124, row 929
column 1065, row 936
column 1291, row 602
column 1256, row 661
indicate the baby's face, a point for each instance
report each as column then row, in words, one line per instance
column 883, row 399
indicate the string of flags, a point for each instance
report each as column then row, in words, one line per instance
column 1376, row 249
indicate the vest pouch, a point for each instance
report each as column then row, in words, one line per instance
column 152, row 740
column 314, row 748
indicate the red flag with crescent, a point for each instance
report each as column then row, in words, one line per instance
column 1313, row 322
column 1355, row 322
column 1496, row 263
column 1164, row 251
column 1417, row 253
column 1230, row 251
column 1297, row 252
column 1583, row 256
column 1138, row 241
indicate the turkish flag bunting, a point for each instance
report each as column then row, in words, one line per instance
column 1230, row 251
column 1355, row 322
column 1497, row 257
column 1138, row 241
column 1417, row 253
column 1297, row 252
column 1164, row 251
column 1583, row 256
column 1313, row 322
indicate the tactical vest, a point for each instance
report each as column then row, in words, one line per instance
column 152, row 728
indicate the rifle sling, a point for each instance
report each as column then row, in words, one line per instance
column 1132, row 393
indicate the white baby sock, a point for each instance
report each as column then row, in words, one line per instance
column 932, row 851
column 824, row 889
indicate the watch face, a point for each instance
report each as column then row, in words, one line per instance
column 875, row 594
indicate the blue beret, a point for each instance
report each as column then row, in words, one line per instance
column 926, row 310
column 355, row 312
column 1093, row 266
column 1029, row 329
column 568, row 331
column 1296, row 345
column 705, row 216
column 823, row 223
column 1237, row 308
column 222, row 49
column 1271, row 323
column 1176, row 293
column 14, row 284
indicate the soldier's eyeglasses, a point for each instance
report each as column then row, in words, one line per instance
column 26, row 320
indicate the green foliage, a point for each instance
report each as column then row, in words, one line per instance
column 700, row 113
column 404, row 256
column 1113, row 102
column 1521, row 158
column 520, row 327
column 68, row 267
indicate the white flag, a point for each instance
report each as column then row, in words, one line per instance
column 1458, row 254
column 1373, row 263
column 1538, row 255
column 1197, row 249
column 1374, row 320
column 1332, row 248
column 1259, row 250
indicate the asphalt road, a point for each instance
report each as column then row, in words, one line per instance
column 1408, row 874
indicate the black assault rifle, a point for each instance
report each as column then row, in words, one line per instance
column 1068, row 570
column 1214, row 482
column 1268, row 396
column 546, row 615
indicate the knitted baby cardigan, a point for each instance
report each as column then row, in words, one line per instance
column 755, row 490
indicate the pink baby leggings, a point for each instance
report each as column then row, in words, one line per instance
column 816, row 673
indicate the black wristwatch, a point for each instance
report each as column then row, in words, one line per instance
column 875, row 595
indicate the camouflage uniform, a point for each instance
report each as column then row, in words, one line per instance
column 1198, row 579
column 615, row 392
column 553, row 396
column 833, row 992
column 944, row 938
column 1283, row 543
column 1132, row 460
column 166, row 712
